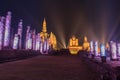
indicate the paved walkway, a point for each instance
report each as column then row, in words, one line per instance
column 46, row 68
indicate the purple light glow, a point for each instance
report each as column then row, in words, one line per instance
column 29, row 43
column 34, row 39
column 41, row 47
column 37, row 42
column 113, row 50
column 27, row 36
column 1, row 31
column 45, row 46
column 118, row 49
column 91, row 47
column 96, row 48
column 15, row 42
column 20, row 25
column 7, row 30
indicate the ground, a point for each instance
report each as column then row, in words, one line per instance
column 45, row 67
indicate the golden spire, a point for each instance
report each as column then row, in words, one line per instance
column 85, row 39
column 44, row 26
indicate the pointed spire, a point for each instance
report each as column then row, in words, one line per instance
column 85, row 38
column 44, row 26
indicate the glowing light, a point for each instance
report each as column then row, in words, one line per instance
column 41, row 47
column 74, row 48
column 27, row 36
column 52, row 41
column 86, row 44
column 113, row 50
column 34, row 40
column 91, row 47
column 102, row 50
column 38, row 42
column 29, row 39
column 30, row 43
column 7, row 30
column 57, row 22
column 20, row 25
column 96, row 48
column 45, row 46
column 118, row 49
column 15, row 42
column 47, row 40
column 1, row 32
column 107, row 47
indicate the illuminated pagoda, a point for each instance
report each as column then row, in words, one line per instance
column 44, row 33
column 74, row 46
column 47, row 40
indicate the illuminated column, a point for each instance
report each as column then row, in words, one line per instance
column 1, row 31
column 27, row 37
column 29, row 40
column 91, row 47
column 33, row 39
column 15, row 41
column 37, row 42
column 7, row 30
column 102, row 50
column 20, row 25
column 41, row 46
column 96, row 48
column 45, row 46
column 48, row 45
column 118, row 49
column 113, row 50
column 30, row 43
column 102, row 53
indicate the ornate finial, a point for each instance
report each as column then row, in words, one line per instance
column 85, row 39
column 44, row 26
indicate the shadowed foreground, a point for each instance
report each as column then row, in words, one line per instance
column 46, row 68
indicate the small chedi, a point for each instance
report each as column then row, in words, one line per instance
column 74, row 46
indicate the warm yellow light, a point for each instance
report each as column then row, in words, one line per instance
column 86, row 44
column 74, row 46
column 51, row 37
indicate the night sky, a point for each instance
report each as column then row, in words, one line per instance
column 97, row 19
